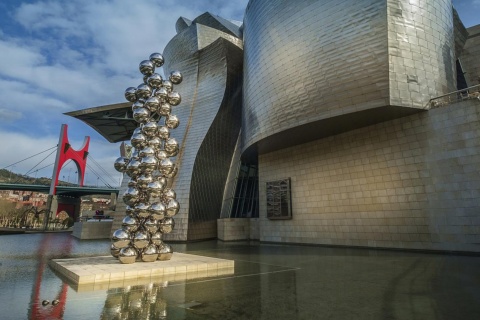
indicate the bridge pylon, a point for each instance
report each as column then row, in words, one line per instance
column 65, row 152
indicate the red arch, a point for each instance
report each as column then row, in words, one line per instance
column 66, row 152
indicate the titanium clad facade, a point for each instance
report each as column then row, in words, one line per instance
column 470, row 56
column 317, row 68
column 211, row 63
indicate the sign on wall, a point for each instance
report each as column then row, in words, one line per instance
column 279, row 200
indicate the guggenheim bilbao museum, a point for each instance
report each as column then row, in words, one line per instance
column 350, row 123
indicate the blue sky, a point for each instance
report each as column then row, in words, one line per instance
column 58, row 56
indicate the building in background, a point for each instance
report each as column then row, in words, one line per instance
column 325, row 122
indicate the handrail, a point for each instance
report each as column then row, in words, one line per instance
column 469, row 93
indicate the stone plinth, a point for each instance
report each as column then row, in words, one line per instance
column 94, row 229
column 107, row 269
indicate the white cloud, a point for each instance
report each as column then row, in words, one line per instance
column 7, row 115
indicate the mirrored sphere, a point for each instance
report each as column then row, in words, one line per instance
column 166, row 225
column 147, row 151
column 140, row 239
column 146, row 67
column 156, row 238
column 130, row 224
column 172, row 208
column 171, row 145
column 114, row 251
column 164, row 109
column 121, row 164
column 172, row 121
column 169, row 194
column 163, row 132
column 173, row 173
column 143, row 180
column 144, row 91
column 152, row 104
column 161, row 154
column 157, row 210
column 149, row 164
column 155, row 142
column 133, row 168
column 131, row 196
column 128, row 255
column 135, row 155
column 151, row 225
column 161, row 93
column 121, row 238
column 145, row 79
column 141, row 115
column 166, row 166
column 129, row 210
column 131, row 94
column 176, row 77
column 154, row 189
column 168, row 85
column 142, row 210
column 155, row 80
column 150, row 253
column 157, row 59
column 138, row 104
column 165, row 252
column 174, row 98
column 138, row 141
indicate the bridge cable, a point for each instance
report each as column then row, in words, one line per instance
column 78, row 157
column 29, row 157
column 99, row 176
column 31, row 170
column 102, row 169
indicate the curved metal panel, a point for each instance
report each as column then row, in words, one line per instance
column 309, row 61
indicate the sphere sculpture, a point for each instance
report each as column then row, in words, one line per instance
column 150, row 201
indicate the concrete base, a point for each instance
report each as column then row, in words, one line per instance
column 92, row 229
column 106, row 269
column 233, row 229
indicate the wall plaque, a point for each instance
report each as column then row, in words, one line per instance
column 279, row 201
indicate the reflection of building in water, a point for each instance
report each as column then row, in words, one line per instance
column 135, row 302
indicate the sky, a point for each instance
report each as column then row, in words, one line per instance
column 58, row 56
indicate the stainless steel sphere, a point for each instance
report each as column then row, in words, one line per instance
column 163, row 132
column 164, row 109
column 135, row 155
column 138, row 104
column 131, row 94
column 174, row 98
column 154, row 189
column 114, row 251
column 133, row 168
column 173, row 173
column 156, row 238
column 140, row 239
column 147, row 151
column 171, row 146
column 166, row 225
column 129, row 210
column 130, row 224
column 155, row 81
column 169, row 194
column 166, row 166
column 167, row 84
column 138, row 141
column 172, row 121
column 150, row 253
column 152, row 104
column 128, row 255
column 157, row 59
column 161, row 93
column 165, row 252
column 142, row 210
column 172, row 208
column 144, row 91
column 121, row 164
column 143, row 180
column 145, row 79
column 121, row 238
column 161, row 154
column 157, row 210
column 155, row 142
column 141, row 115
column 150, row 225
column 146, row 67
column 175, row 77
column 131, row 196
column 149, row 164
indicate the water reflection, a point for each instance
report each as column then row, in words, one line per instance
column 135, row 302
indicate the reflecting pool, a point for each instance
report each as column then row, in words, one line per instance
column 270, row 282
